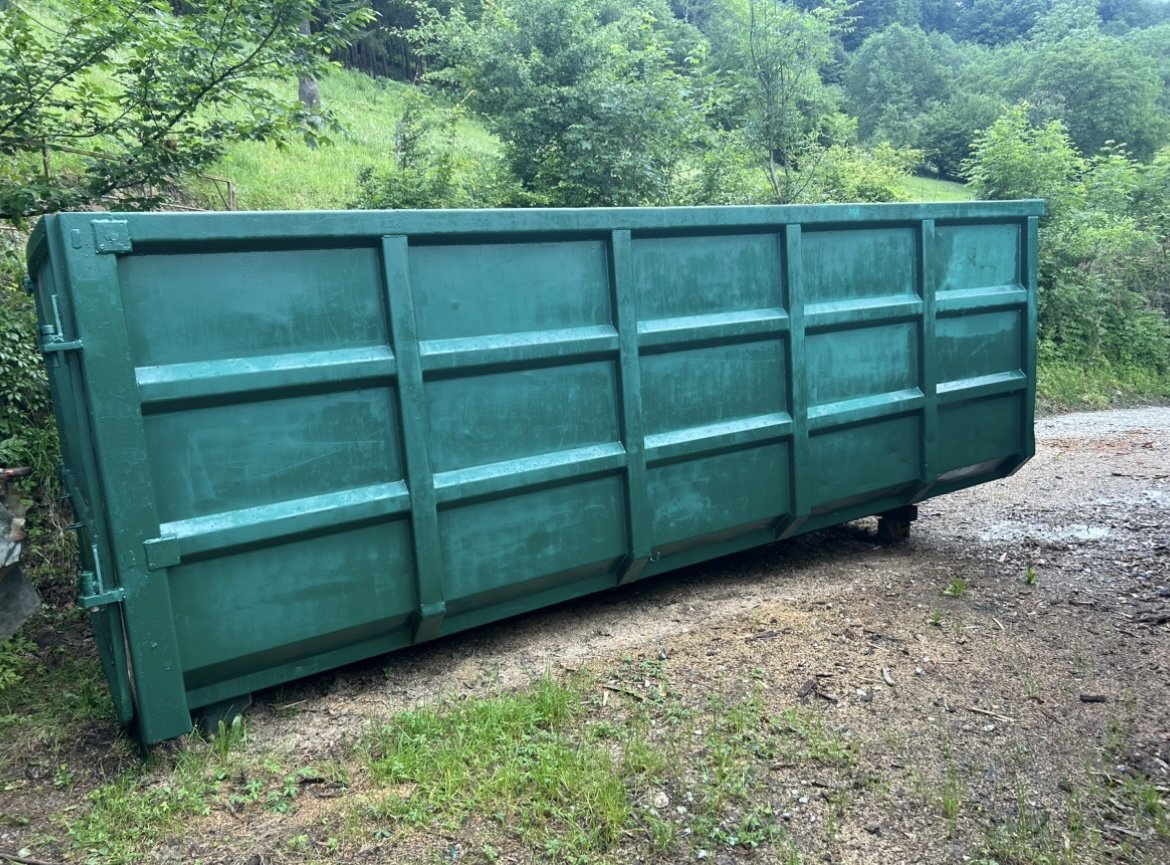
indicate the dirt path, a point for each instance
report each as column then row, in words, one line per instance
column 1003, row 675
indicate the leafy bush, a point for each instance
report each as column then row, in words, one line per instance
column 1014, row 159
column 728, row 172
column 14, row 660
column 428, row 170
column 27, row 432
column 855, row 174
column 589, row 97
column 1104, row 269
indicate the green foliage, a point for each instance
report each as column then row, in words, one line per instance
column 511, row 757
column 15, row 658
column 1103, row 89
column 429, row 169
column 1015, row 159
column 892, row 78
column 1104, row 273
column 956, row 588
column 996, row 22
column 771, row 55
column 299, row 177
column 946, row 130
column 153, row 94
column 855, row 174
column 27, row 430
column 1151, row 198
column 587, row 95
column 728, row 172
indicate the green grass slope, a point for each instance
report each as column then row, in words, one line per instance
column 297, row 177
column 929, row 189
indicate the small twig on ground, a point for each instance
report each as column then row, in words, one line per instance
column 22, row 860
column 618, row 689
column 1121, row 830
column 999, row 624
column 1152, row 619
column 886, row 677
column 764, row 636
column 990, row 714
column 1094, row 698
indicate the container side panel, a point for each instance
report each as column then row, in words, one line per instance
column 495, row 417
column 464, row 291
column 695, row 499
column 678, row 277
column 199, row 307
column 278, row 604
column 505, row 546
column 980, row 431
column 860, row 460
column 702, row 386
column 844, row 365
column 979, row 344
column 855, row 265
column 978, row 256
column 240, row 455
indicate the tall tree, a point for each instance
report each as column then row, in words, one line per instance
column 1102, row 87
column 135, row 95
column 771, row 54
column 997, row 22
column 895, row 76
column 587, row 95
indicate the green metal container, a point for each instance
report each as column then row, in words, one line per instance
column 294, row 440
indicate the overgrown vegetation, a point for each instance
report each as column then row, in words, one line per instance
column 580, row 770
column 134, row 96
column 1104, row 270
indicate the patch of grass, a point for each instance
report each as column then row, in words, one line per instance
column 297, row 177
column 951, row 797
column 61, row 690
column 1146, row 804
column 130, row 814
column 930, row 189
column 144, row 804
column 1033, row 836
column 804, row 738
column 956, row 588
column 513, row 759
column 1030, row 575
column 578, row 772
column 1065, row 385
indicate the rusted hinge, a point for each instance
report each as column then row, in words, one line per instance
column 94, row 593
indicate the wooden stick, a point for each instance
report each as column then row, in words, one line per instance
column 996, row 715
column 22, row 860
column 618, row 689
